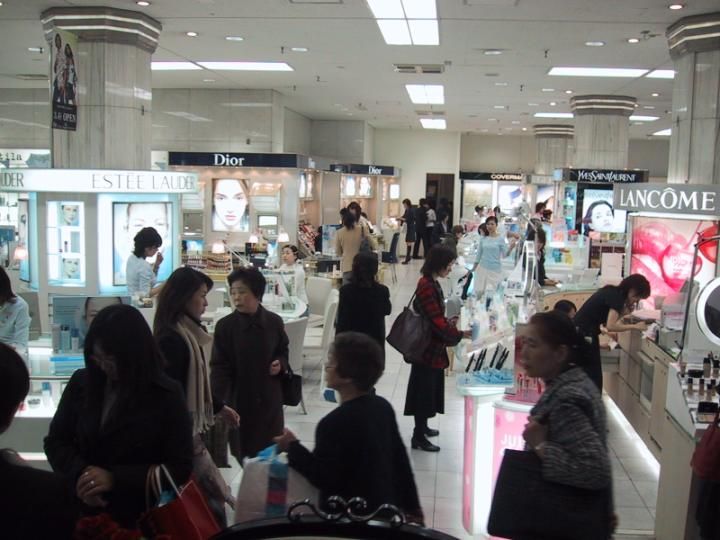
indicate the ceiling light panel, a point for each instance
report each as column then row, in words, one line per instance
column 386, row 9
column 395, row 32
column 433, row 123
column 420, row 9
column 426, row 94
column 246, row 66
column 661, row 74
column 641, row 118
column 424, row 32
column 597, row 72
column 663, row 132
column 553, row 115
column 174, row 66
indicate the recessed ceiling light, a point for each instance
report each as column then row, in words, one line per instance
column 661, row 74
column 174, row 66
column 427, row 94
column 649, row 107
column 382, row 9
column 524, row 129
column 492, row 52
column 553, row 115
column 597, row 72
column 424, row 32
column 395, row 31
column 515, row 122
column 655, row 94
column 663, row 132
column 508, row 129
column 675, row 7
column 143, row 3
column 246, row 66
column 533, row 104
column 433, row 123
column 209, row 80
column 35, row 49
column 633, row 40
column 492, row 119
column 501, row 84
column 553, row 103
column 191, row 34
column 420, row 9
column 548, row 89
column 234, row 38
column 299, row 49
column 641, row 118
column 484, row 130
column 568, row 91
column 499, row 107
column 594, row 43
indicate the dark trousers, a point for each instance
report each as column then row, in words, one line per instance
column 416, row 248
column 593, row 363
column 427, row 239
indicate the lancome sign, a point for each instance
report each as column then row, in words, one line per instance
column 699, row 200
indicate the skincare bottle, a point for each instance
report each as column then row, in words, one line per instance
column 707, row 366
column 701, row 386
column 65, row 339
column 46, row 395
column 716, row 369
column 690, row 389
column 56, row 338
column 75, row 340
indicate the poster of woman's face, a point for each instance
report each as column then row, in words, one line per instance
column 128, row 219
column 598, row 213
column 71, row 268
column 230, row 205
column 69, row 215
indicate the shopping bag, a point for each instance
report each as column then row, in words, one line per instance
column 185, row 517
column 291, row 388
column 705, row 461
column 269, row 486
column 548, row 509
column 410, row 334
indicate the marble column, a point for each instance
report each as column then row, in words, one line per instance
column 554, row 147
column 694, row 44
column 601, row 130
column 114, row 88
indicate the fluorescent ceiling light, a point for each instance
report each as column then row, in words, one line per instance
column 174, row 66
column 649, row 107
column 35, row 49
column 501, row 84
column 641, row 118
column 386, row 9
column 299, row 49
column 594, row 43
column 420, row 9
column 234, row 38
column 188, row 116
column 533, row 104
column 209, row 80
column 548, row 89
column 191, row 34
column 553, row 115
column 424, row 32
column 433, row 123
column 524, row 129
column 597, row 72
column 143, row 3
column 553, row 103
column 568, row 91
column 426, row 94
column 503, row 107
column 661, row 74
column 515, row 122
column 395, row 32
column 246, row 66
column 663, row 133
column 655, row 94
column 676, row 6
column 492, row 52
column 633, row 40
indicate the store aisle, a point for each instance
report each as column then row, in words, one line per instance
column 439, row 476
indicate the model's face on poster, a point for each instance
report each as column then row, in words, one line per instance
column 69, row 214
column 229, row 204
column 143, row 215
column 602, row 218
column 71, row 268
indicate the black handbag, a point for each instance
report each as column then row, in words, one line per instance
column 291, row 388
column 410, row 334
column 527, row 506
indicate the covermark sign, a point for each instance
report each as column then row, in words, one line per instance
column 699, row 200
column 64, row 78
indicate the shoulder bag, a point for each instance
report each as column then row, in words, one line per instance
column 410, row 334
column 364, row 241
column 291, row 388
column 706, row 458
column 548, row 509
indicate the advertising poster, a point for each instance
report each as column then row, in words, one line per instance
column 64, row 78
column 231, row 211
column 597, row 213
column 128, row 219
column 23, row 239
column 509, row 196
column 546, row 194
column 662, row 251
column 475, row 193
column 75, row 313
column 24, row 159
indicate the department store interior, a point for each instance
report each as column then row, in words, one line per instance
column 237, row 128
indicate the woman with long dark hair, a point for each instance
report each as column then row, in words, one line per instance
column 426, row 387
column 187, row 347
column 349, row 240
column 14, row 316
column 117, row 417
column 408, row 219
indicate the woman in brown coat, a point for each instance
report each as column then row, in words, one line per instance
column 250, row 352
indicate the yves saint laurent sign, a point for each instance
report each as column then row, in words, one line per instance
column 606, row 176
column 350, row 168
column 465, row 175
column 698, row 200
column 97, row 181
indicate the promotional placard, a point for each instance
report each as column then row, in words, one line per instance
column 64, row 81
column 699, row 200
column 97, row 181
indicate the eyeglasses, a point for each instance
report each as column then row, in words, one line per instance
column 329, row 365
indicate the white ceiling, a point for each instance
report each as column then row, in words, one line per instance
column 349, row 64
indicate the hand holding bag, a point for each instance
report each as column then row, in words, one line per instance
column 527, row 506
column 364, row 242
column 186, row 517
column 291, row 388
column 410, row 334
column 705, row 461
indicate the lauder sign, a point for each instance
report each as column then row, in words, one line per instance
column 97, row 181
column 671, row 198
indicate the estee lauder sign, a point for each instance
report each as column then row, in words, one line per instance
column 672, row 198
column 97, row 181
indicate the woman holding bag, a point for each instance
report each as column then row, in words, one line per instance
column 426, row 387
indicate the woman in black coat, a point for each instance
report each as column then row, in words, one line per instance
column 364, row 302
column 408, row 219
column 117, row 417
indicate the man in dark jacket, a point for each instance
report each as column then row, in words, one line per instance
column 420, row 221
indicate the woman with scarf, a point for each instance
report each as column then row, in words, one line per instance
column 187, row 346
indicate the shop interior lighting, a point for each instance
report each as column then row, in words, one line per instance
column 649, row 107
column 174, row 66
column 234, row 38
column 568, row 91
column 675, row 7
column 594, row 43
column 143, row 3
column 299, row 49
column 597, row 72
column 433, row 123
column 492, row 52
column 661, row 74
column 191, row 34
column 641, row 118
column 426, row 94
column 407, row 22
column 246, row 66
column 655, row 94
column 663, row 133
column 553, row 103
column 633, row 40
column 548, row 89
column 553, row 115
column 499, row 107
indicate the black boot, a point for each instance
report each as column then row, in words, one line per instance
column 408, row 256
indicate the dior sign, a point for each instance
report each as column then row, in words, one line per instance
column 673, row 198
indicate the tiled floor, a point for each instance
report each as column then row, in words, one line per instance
column 438, row 476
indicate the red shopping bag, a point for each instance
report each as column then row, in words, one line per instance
column 706, row 458
column 186, row 517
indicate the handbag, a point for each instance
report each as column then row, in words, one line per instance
column 410, row 334
column 705, row 461
column 527, row 506
column 364, row 242
column 291, row 388
column 186, row 517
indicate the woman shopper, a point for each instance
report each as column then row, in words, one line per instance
column 364, row 302
column 140, row 275
column 117, row 417
column 290, row 264
column 488, row 264
column 567, row 427
column 358, row 449
column 14, row 317
column 408, row 219
column 426, row 386
column 441, row 229
column 250, row 352
column 348, row 242
column 609, row 306
column 420, row 212
column 187, row 346
column 430, row 221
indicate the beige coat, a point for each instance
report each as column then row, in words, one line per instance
column 347, row 245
